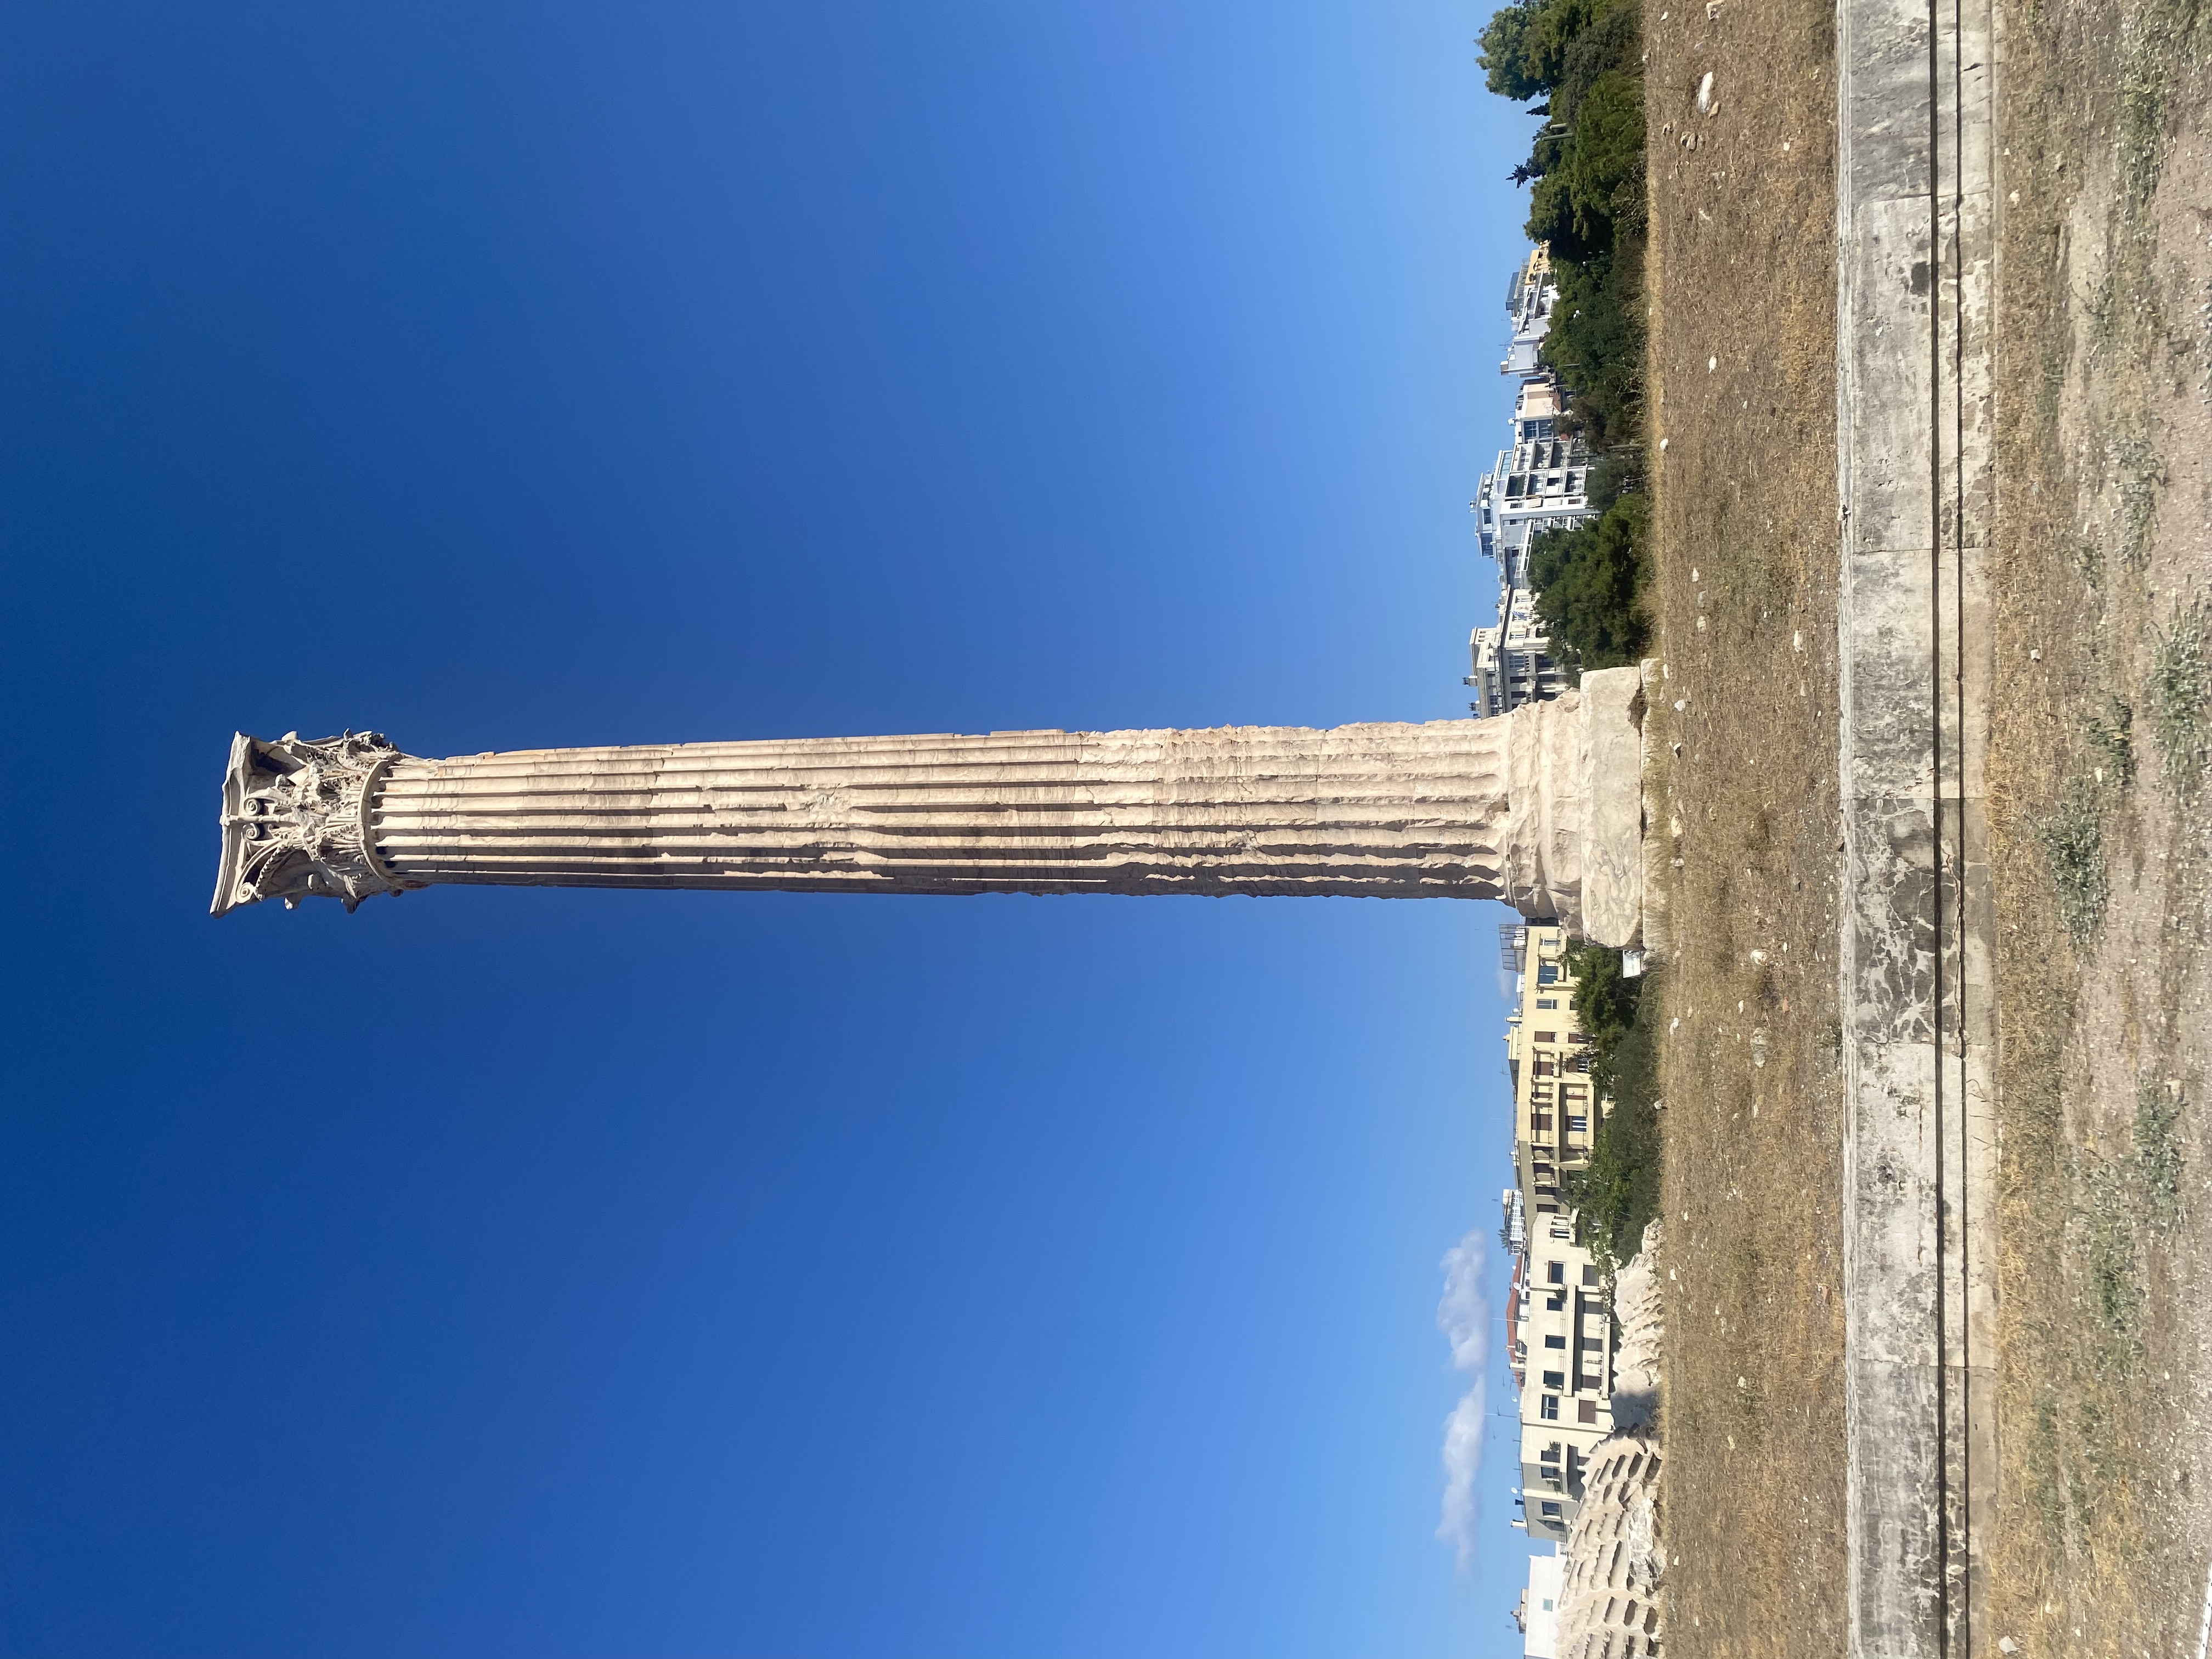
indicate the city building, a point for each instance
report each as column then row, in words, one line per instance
column 1514, row 1236
column 1567, row 1394
column 1538, row 1615
column 1559, row 1324
column 1547, row 1059
column 1529, row 297
column 1540, row 482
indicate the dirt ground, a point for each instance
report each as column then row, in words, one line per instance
column 2101, row 836
column 2098, row 828
column 1743, row 288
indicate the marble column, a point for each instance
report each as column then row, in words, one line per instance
column 1500, row 808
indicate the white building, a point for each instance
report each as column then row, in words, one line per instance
column 1529, row 298
column 1538, row 1612
column 1540, row 482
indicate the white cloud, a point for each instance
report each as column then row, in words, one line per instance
column 1463, row 1316
column 1462, row 1461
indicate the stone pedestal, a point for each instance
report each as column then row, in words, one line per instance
column 1525, row 808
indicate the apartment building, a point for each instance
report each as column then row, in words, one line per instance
column 1512, row 660
column 1565, row 1330
column 1547, row 1058
column 1559, row 1321
column 1540, row 482
column 1529, row 297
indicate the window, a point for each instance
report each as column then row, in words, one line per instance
column 1589, row 1275
column 1586, row 1411
column 1547, row 973
column 1540, row 1120
column 1548, row 1510
column 1554, row 1380
column 1578, row 1123
column 1547, row 1036
column 1550, row 1454
column 1555, row 1340
column 1593, row 1345
column 1555, row 1303
column 1547, row 1408
column 1556, row 1272
column 1547, row 1002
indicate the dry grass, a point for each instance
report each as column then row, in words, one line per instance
column 2100, row 844
column 2100, row 1535
column 1743, row 281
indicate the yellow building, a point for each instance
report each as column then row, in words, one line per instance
column 1547, row 1058
column 1561, row 1322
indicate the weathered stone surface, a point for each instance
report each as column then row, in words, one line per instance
column 1613, row 816
column 1463, row 809
column 1639, row 1310
column 1610, row 1595
column 1542, row 867
column 1914, row 351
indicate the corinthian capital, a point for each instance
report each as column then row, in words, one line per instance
column 295, row 821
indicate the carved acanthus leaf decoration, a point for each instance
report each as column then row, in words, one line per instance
column 295, row 821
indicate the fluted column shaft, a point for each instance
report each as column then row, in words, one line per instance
column 1386, row 809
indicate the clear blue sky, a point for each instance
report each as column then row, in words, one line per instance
column 583, row 1274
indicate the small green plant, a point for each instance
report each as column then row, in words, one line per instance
column 2100, row 304
column 2073, row 841
column 2142, row 137
column 2089, row 559
column 2111, row 737
column 2180, row 680
column 2115, row 1285
column 2103, row 1459
column 2158, row 1154
column 2045, row 1459
column 2141, row 473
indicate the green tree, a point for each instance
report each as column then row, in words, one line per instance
column 1605, row 997
column 1592, row 192
column 1505, row 58
column 1595, row 343
column 1612, row 39
column 1525, row 47
column 1588, row 585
